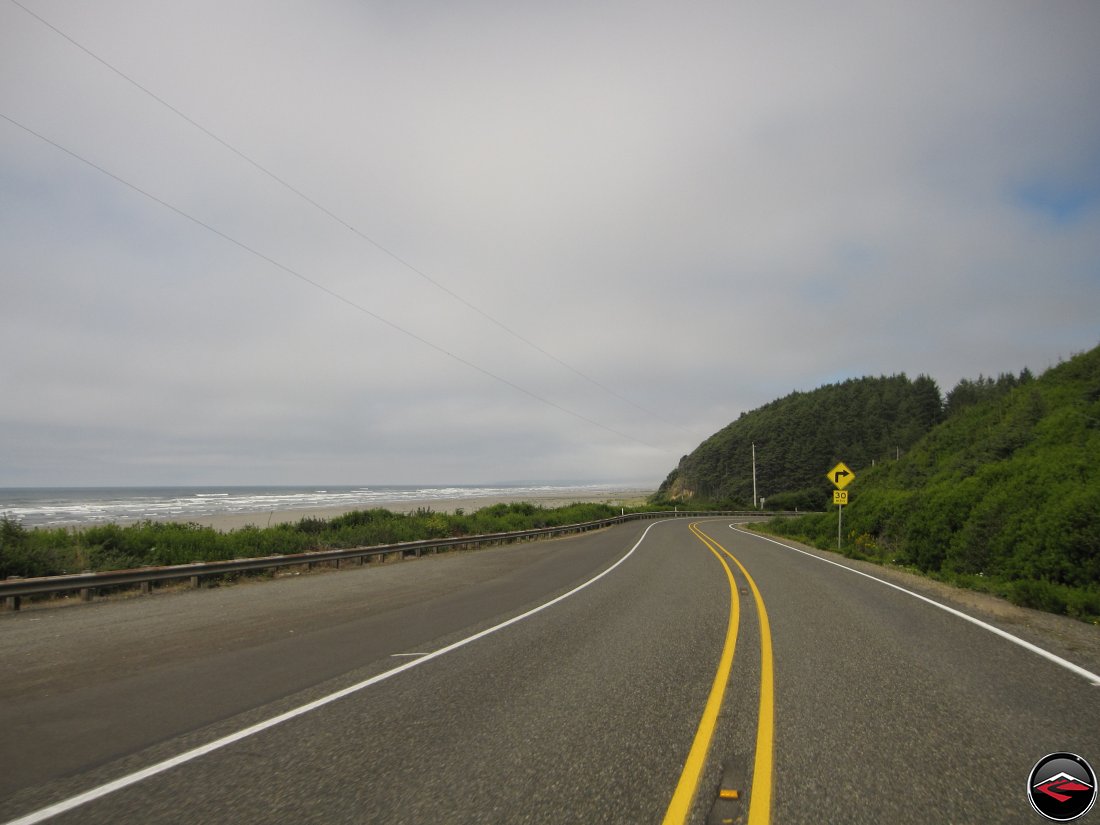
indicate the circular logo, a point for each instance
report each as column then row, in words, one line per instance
column 1062, row 787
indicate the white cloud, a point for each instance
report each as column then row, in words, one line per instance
column 700, row 207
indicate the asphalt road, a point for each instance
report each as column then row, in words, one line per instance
column 883, row 708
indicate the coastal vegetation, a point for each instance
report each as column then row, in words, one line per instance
column 797, row 437
column 55, row 551
column 995, row 488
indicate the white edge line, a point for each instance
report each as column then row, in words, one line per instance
column 1046, row 654
column 187, row 756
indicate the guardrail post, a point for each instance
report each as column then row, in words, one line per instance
column 146, row 588
column 13, row 602
column 87, row 594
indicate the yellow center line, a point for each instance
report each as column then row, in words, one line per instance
column 680, row 806
column 760, row 797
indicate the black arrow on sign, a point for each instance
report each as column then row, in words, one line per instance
column 838, row 474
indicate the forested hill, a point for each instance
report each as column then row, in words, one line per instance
column 799, row 437
column 1004, row 495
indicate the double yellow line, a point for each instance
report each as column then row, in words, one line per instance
column 760, row 797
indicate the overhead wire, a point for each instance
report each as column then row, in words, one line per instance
column 324, row 210
column 327, row 290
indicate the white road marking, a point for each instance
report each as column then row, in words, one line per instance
column 1046, row 654
column 187, row 756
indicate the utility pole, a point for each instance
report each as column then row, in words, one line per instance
column 754, row 475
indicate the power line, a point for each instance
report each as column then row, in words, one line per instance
column 392, row 255
column 332, row 293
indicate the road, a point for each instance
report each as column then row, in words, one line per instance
column 599, row 678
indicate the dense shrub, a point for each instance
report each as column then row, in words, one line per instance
column 47, row 552
column 1004, row 495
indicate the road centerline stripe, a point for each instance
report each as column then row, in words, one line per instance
column 50, row 811
column 760, row 797
column 680, row 806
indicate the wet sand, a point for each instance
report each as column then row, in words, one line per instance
column 268, row 518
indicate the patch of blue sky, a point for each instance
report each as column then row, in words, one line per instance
column 1064, row 203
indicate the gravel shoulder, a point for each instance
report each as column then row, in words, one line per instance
column 60, row 648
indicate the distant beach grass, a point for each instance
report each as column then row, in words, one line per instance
column 56, row 551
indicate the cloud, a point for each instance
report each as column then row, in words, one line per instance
column 699, row 209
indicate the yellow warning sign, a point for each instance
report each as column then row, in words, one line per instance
column 841, row 476
column 840, row 496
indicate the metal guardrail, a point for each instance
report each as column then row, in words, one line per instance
column 13, row 590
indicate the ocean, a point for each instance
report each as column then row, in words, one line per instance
column 82, row 506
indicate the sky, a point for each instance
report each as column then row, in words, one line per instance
column 462, row 243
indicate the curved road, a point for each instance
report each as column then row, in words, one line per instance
column 673, row 665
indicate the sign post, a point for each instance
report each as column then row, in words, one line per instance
column 841, row 477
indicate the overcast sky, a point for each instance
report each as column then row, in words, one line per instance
column 547, row 241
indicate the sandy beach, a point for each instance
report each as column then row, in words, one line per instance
column 267, row 518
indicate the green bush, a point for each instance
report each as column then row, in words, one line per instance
column 46, row 552
column 21, row 555
column 806, row 499
column 1040, row 595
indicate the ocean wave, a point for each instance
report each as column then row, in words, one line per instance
column 90, row 506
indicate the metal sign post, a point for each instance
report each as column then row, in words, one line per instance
column 841, row 477
column 840, row 498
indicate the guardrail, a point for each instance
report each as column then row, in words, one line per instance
column 13, row 590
